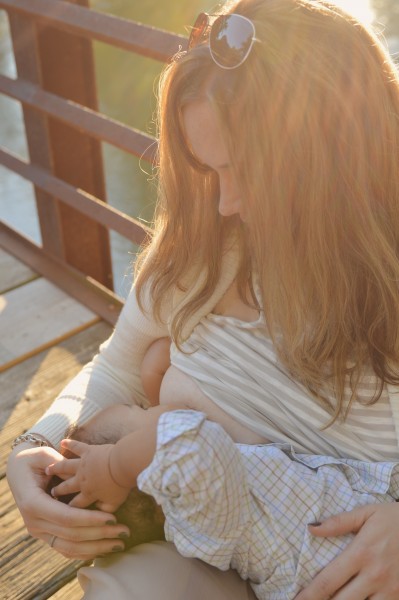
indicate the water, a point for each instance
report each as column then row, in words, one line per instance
column 126, row 93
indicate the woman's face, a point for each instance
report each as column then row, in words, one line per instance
column 206, row 142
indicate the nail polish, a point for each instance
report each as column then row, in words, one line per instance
column 123, row 535
column 117, row 549
column 315, row 524
column 110, row 522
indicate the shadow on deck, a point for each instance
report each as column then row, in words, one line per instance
column 46, row 337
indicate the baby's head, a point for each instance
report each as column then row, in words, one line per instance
column 139, row 512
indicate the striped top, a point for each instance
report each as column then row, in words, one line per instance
column 235, row 365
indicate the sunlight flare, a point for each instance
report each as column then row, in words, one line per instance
column 361, row 9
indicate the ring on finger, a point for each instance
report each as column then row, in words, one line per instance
column 54, row 537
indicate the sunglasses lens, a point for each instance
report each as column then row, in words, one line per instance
column 231, row 40
column 198, row 31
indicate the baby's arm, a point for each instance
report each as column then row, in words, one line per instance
column 105, row 474
column 155, row 363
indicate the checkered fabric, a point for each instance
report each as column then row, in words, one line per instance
column 247, row 507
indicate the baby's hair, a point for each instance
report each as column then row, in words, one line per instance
column 139, row 512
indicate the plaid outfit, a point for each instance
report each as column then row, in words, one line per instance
column 247, row 507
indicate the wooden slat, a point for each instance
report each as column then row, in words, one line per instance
column 13, row 273
column 70, row 591
column 135, row 37
column 84, row 119
column 83, row 288
column 28, row 389
column 85, row 203
column 37, row 316
column 29, row 569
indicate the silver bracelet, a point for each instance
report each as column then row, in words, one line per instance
column 31, row 438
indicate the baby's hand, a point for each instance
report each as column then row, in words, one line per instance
column 89, row 476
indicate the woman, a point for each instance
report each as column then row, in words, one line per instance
column 279, row 143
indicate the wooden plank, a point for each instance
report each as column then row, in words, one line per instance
column 36, row 316
column 70, row 591
column 13, row 273
column 28, row 567
column 28, row 389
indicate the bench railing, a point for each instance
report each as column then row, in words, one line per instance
column 52, row 43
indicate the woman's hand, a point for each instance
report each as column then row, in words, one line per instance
column 89, row 476
column 75, row 533
column 368, row 569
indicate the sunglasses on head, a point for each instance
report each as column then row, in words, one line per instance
column 230, row 38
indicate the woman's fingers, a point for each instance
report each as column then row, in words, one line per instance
column 347, row 522
column 85, row 543
column 82, row 542
column 86, row 540
column 331, row 579
column 359, row 589
column 86, row 549
column 79, row 533
column 43, row 508
column 368, row 567
column 343, row 568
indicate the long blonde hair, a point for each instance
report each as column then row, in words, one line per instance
column 311, row 120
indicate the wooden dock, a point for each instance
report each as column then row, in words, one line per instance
column 45, row 338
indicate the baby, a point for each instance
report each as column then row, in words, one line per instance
column 231, row 505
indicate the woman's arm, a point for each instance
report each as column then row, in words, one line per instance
column 113, row 376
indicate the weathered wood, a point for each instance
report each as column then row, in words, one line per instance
column 28, row 389
column 70, row 591
column 63, row 64
column 102, row 301
column 13, row 273
column 36, row 316
column 29, row 569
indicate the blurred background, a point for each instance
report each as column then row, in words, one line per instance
column 126, row 90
